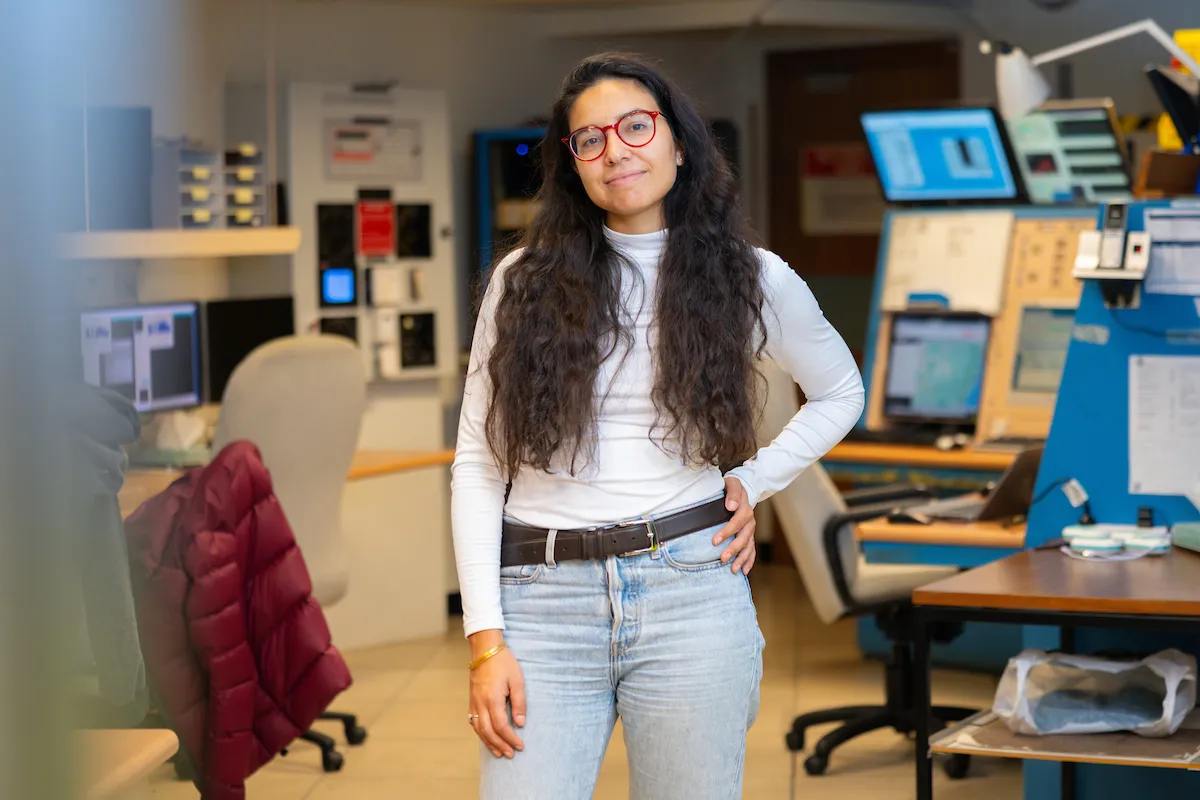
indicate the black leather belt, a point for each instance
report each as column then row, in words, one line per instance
column 521, row 544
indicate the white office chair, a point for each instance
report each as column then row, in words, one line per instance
column 300, row 400
column 817, row 523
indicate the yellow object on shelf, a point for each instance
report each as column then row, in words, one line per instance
column 1168, row 137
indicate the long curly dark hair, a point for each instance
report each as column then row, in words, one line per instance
column 560, row 317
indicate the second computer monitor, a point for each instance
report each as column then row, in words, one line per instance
column 1042, row 346
column 235, row 327
column 1072, row 151
column 149, row 354
column 935, row 368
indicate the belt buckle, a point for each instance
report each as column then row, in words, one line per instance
column 650, row 533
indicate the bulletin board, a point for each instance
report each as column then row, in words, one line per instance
column 1038, row 282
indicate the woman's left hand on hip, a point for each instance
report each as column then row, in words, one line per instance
column 740, row 528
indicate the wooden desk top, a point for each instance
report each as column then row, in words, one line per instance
column 961, row 534
column 920, row 456
column 1048, row 580
column 142, row 484
column 113, row 761
column 372, row 463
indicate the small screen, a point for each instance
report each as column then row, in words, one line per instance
column 1070, row 155
column 935, row 371
column 338, row 286
column 940, row 155
column 148, row 354
column 1042, row 349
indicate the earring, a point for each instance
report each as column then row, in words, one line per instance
column 679, row 161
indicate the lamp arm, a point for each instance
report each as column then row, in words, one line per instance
column 1145, row 26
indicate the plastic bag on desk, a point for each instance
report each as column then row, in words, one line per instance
column 1046, row 693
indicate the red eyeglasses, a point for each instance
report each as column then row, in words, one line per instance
column 635, row 129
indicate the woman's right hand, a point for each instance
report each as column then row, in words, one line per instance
column 494, row 684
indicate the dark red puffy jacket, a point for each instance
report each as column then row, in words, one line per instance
column 236, row 648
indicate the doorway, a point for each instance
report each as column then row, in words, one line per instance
column 825, row 207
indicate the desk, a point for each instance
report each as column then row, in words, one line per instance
column 853, row 463
column 115, row 761
column 1046, row 587
column 951, row 544
column 142, row 484
column 393, row 518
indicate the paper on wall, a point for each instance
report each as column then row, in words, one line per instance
column 1174, row 251
column 960, row 255
column 1164, row 424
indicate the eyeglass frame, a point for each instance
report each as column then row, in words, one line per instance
column 604, row 129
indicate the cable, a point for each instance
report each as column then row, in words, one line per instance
column 1046, row 492
column 1085, row 518
column 1120, row 323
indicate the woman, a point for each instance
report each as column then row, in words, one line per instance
column 602, row 539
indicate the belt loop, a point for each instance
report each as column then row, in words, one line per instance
column 550, row 537
column 655, row 545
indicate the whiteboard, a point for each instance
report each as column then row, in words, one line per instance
column 961, row 255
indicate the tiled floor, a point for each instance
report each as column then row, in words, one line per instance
column 412, row 698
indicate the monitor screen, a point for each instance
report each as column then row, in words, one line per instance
column 149, row 354
column 1071, row 152
column 1042, row 349
column 234, row 328
column 952, row 155
column 935, row 370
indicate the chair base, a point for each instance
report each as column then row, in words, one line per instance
column 858, row 720
column 898, row 712
column 331, row 759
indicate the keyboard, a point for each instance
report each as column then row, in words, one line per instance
column 901, row 436
column 1013, row 444
column 966, row 509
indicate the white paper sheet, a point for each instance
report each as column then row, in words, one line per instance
column 1164, row 424
column 1174, row 251
column 961, row 255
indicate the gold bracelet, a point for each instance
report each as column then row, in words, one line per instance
column 497, row 649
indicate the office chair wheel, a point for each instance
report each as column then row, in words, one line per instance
column 795, row 741
column 355, row 734
column 332, row 761
column 816, row 765
column 957, row 767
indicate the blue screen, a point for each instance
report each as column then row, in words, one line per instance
column 939, row 154
column 935, row 367
column 337, row 286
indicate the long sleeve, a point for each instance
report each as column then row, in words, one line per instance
column 802, row 342
column 476, row 484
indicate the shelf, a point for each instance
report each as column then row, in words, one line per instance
column 986, row 735
column 218, row 243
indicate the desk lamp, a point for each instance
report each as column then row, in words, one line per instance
column 1021, row 88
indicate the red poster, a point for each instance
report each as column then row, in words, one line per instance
column 376, row 228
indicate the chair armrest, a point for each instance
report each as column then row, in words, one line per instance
column 833, row 527
column 880, row 494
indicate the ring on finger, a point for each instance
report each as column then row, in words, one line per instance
column 471, row 719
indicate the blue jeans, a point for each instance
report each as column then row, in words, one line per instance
column 667, row 641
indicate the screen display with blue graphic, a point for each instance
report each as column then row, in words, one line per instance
column 338, row 286
column 935, row 367
column 941, row 155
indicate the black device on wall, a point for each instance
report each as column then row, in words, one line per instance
column 414, row 233
column 337, row 271
column 234, row 328
column 418, row 339
column 340, row 326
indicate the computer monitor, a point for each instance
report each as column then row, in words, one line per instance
column 1072, row 151
column 1179, row 95
column 935, row 367
column 149, row 354
column 1042, row 343
column 939, row 156
column 234, row 328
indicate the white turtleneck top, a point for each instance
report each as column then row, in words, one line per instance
column 631, row 475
